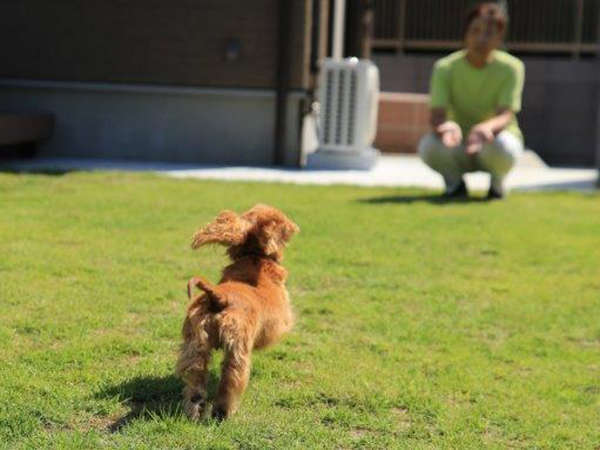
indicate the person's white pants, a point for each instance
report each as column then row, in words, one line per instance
column 496, row 158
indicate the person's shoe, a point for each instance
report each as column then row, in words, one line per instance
column 495, row 193
column 456, row 192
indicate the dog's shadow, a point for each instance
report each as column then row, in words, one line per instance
column 149, row 397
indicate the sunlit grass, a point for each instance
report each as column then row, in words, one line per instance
column 420, row 324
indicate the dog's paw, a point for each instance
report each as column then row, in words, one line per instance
column 219, row 413
column 194, row 407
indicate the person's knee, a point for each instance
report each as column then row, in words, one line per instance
column 500, row 155
column 496, row 160
column 507, row 146
column 428, row 147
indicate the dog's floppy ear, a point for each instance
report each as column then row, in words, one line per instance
column 227, row 229
column 274, row 234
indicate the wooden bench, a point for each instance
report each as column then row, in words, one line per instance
column 402, row 120
column 23, row 132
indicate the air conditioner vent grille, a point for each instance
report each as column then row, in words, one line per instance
column 351, row 108
column 348, row 93
column 341, row 100
column 328, row 110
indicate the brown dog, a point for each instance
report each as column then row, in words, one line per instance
column 248, row 309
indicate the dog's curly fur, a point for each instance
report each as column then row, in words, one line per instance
column 248, row 309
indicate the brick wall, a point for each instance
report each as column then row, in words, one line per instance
column 402, row 120
column 176, row 42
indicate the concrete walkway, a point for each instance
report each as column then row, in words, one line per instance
column 403, row 170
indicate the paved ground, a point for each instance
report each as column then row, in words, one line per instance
column 406, row 170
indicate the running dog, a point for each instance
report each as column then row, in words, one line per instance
column 248, row 309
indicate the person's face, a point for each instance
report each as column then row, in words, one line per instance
column 483, row 36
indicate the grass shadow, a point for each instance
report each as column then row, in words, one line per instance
column 36, row 171
column 149, row 397
column 12, row 162
column 435, row 199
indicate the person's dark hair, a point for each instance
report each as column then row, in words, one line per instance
column 489, row 10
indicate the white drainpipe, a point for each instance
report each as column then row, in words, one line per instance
column 339, row 18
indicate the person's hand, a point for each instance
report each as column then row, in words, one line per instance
column 450, row 133
column 479, row 135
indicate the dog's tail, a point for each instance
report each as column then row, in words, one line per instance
column 213, row 293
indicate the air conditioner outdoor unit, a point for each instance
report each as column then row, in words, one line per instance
column 348, row 97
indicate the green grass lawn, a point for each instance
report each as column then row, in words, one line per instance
column 420, row 324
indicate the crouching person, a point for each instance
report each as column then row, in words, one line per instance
column 475, row 95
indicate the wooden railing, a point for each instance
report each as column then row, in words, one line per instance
column 535, row 26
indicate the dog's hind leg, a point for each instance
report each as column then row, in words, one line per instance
column 193, row 368
column 235, row 373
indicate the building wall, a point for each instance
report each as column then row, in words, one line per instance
column 150, row 79
column 560, row 102
column 179, row 42
column 209, row 126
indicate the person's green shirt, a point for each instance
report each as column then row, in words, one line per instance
column 471, row 95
